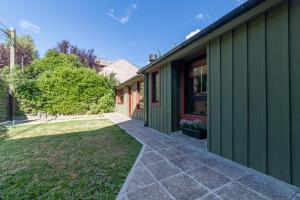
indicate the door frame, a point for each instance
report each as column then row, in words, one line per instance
column 129, row 101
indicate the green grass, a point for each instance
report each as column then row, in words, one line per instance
column 87, row 159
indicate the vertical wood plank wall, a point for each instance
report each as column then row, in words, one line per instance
column 159, row 117
column 255, row 93
column 123, row 108
column 176, row 69
column 136, row 114
column 294, row 47
column 215, row 96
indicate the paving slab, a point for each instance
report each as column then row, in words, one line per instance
column 175, row 167
column 157, row 145
column 153, row 192
column 229, row 168
column 169, row 153
column 147, row 149
column 183, row 187
column 163, row 170
column 205, row 157
column 186, row 149
column 235, row 191
column 268, row 186
column 124, row 198
column 141, row 178
column 172, row 143
column 297, row 197
column 185, row 162
column 150, row 158
column 209, row 177
column 211, row 197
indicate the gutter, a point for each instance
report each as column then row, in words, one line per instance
column 248, row 5
column 136, row 77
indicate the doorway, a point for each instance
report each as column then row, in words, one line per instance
column 129, row 101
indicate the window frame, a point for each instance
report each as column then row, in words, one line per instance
column 188, row 84
column 138, row 95
column 120, row 93
column 155, row 102
column 185, row 66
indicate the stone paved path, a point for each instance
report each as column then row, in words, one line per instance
column 172, row 168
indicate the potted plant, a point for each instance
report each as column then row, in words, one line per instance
column 196, row 129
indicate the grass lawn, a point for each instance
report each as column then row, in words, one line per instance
column 87, row 159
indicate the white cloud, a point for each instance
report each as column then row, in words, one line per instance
column 191, row 34
column 30, row 26
column 125, row 18
column 199, row 17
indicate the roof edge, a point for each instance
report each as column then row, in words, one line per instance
column 136, row 77
column 238, row 11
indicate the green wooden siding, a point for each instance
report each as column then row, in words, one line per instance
column 215, row 96
column 136, row 114
column 240, row 96
column 226, row 96
column 257, row 124
column 278, row 119
column 123, row 108
column 294, row 42
column 159, row 116
column 254, row 93
column 176, row 94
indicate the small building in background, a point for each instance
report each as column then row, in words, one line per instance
column 130, row 97
column 123, row 69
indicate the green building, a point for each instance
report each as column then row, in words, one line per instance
column 242, row 76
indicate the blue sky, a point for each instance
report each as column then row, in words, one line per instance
column 129, row 29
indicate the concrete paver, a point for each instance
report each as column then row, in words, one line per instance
column 178, row 167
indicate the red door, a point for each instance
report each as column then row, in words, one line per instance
column 129, row 101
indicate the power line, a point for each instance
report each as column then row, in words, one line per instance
column 8, row 19
column 5, row 30
column 1, row 23
column 6, row 34
column 2, row 38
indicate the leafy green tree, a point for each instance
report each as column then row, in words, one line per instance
column 52, row 60
column 24, row 88
column 60, row 84
column 86, row 56
column 26, row 51
column 70, row 90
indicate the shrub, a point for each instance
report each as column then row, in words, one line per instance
column 60, row 84
column 69, row 90
column 107, row 103
column 186, row 123
column 196, row 124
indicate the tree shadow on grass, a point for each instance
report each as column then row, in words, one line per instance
column 30, row 127
column 3, row 132
column 85, row 164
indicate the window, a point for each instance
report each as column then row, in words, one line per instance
column 155, row 87
column 140, row 89
column 120, row 96
column 196, row 88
